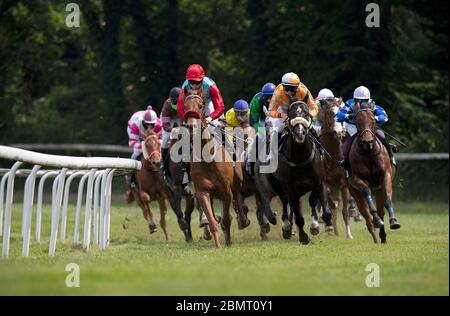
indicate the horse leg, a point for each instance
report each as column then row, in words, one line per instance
column 326, row 215
column 380, row 209
column 333, row 201
column 367, row 195
column 143, row 200
column 364, row 210
column 190, row 205
column 226, row 221
column 264, row 226
column 287, row 218
column 162, row 220
column 345, row 212
column 299, row 220
column 204, row 200
column 387, row 198
column 175, row 203
column 242, row 218
column 314, row 228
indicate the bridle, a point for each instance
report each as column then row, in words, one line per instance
column 367, row 130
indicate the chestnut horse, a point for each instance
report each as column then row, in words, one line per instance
column 212, row 179
column 331, row 135
column 151, row 187
column 180, row 189
column 372, row 169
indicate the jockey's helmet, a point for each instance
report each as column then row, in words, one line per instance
column 268, row 89
column 240, row 106
column 173, row 94
column 290, row 79
column 195, row 72
column 150, row 116
column 361, row 93
column 325, row 94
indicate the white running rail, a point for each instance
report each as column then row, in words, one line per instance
column 98, row 172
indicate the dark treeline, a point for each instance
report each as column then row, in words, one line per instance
column 60, row 84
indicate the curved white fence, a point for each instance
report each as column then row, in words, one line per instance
column 96, row 171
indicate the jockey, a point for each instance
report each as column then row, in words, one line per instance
column 196, row 80
column 289, row 90
column 169, row 119
column 259, row 101
column 140, row 125
column 347, row 114
column 239, row 116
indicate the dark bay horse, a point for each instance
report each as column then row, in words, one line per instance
column 212, row 179
column 331, row 135
column 151, row 187
column 300, row 169
column 372, row 169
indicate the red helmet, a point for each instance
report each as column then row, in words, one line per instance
column 195, row 72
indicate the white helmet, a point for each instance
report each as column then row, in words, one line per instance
column 150, row 116
column 361, row 93
column 325, row 94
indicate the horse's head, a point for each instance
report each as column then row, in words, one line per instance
column 193, row 106
column 152, row 152
column 298, row 121
column 328, row 110
column 366, row 124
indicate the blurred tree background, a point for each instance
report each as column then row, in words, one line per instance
column 60, row 84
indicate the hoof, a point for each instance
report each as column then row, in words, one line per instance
column 183, row 224
column 207, row 236
column 152, row 228
column 203, row 221
column 304, row 239
column 265, row 228
column 394, row 224
column 377, row 222
column 242, row 225
column 314, row 230
column 272, row 219
column 287, row 234
column 357, row 218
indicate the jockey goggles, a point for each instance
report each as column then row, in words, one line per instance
column 147, row 125
column 195, row 83
column 289, row 88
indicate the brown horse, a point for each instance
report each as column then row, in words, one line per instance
column 331, row 135
column 372, row 169
column 180, row 189
column 212, row 179
column 151, row 186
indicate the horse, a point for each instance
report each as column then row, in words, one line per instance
column 150, row 184
column 331, row 135
column 371, row 169
column 300, row 170
column 180, row 189
column 213, row 179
